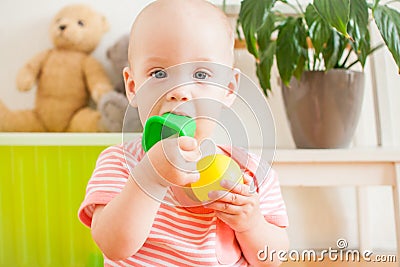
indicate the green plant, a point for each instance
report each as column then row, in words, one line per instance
column 323, row 36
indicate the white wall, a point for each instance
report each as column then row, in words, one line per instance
column 318, row 216
column 24, row 31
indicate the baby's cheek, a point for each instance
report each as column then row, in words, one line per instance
column 146, row 112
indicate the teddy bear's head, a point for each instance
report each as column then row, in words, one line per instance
column 118, row 53
column 78, row 27
column 118, row 56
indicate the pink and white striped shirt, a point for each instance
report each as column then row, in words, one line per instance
column 179, row 236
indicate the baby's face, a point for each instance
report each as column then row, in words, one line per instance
column 157, row 47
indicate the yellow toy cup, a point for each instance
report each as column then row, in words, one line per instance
column 213, row 169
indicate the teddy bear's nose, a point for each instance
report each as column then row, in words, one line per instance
column 62, row 27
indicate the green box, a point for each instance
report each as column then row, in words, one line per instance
column 41, row 189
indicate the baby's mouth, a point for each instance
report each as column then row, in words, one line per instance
column 179, row 113
column 187, row 111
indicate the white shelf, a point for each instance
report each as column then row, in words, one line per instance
column 61, row 139
column 363, row 154
column 367, row 154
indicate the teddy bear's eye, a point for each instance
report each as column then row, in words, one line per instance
column 80, row 23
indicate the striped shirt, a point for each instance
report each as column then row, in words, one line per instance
column 179, row 236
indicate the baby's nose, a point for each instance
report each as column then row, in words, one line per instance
column 179, row 94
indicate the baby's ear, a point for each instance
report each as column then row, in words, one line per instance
column 130, row 87
column 233, row 87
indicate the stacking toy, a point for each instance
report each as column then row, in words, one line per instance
column 167, row 125
column 213, row 169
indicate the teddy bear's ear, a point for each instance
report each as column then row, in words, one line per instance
column 106, row 25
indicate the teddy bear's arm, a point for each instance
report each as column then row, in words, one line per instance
column 97, row 80
column 29, row 73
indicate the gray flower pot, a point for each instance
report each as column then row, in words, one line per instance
column 323, row 108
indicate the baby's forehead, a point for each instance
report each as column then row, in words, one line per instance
column 181, row 12
column 173, row 27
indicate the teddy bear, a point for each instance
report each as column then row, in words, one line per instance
column 113, row 107
column 67, row 76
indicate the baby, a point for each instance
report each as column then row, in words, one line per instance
column 123, row 205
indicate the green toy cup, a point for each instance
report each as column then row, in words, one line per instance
column 167, row 125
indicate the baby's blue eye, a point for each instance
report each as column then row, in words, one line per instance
column 200, row 75
column 159, row 74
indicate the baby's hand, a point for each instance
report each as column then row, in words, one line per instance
column 174, row 159
column 169, row 162
column 239, row 208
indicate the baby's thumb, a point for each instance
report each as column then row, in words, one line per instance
column 187, row 143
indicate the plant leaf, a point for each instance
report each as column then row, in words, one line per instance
column 358, row 17
column 333, row 50
column 319, row 31
column 358, row 29
column 301, row 38
column 363, row 49
column 300, row 67
column 288, row 49
column 388, row 22
column 376, row 3
column 251, row 17
column 335, row 12
column 264, row 67
column 265, row 31
column 266, row 48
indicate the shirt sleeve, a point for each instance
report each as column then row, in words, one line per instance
column 266, row 184
column 271, row 202
column 107, row 181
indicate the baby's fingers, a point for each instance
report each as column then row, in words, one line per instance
column 241, row 189
column 224, row 207
column 189, row 148
column 228, row 197
column 248, row 180
column 187, row 143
